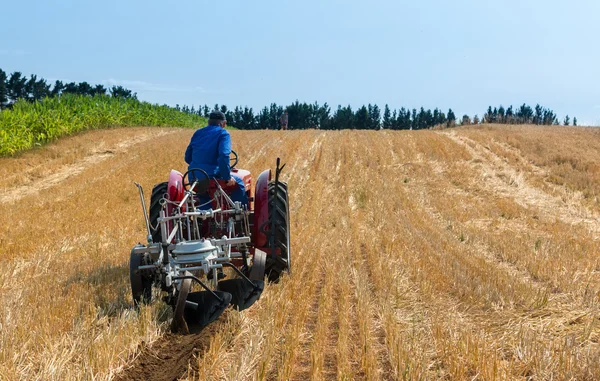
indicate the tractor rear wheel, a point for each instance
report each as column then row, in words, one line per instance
column 141, row 284
column 276, row 265
column 158, row 193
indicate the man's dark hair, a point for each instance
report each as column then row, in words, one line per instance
column 215, row 118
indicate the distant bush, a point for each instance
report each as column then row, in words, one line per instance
column 28, row 124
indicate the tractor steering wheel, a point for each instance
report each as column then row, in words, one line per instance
column 202, row 182
column 234, row 159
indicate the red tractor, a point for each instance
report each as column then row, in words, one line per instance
column 195, row 230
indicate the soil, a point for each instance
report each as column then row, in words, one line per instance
column 170, row 357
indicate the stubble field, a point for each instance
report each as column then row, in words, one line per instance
column 470, row 253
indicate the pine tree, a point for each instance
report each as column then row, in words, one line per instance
column 57, row 88
column 574, row 121
column 374, row 119
column 16, row 86
column 567, row 120
column 41, row 89
column 451, row 118
column 501, row 115
column 538, row 118
column 3, row 90
column 84, row 88
column 71, row 88
column 29, row 87
column 394, row 120
column 387, row 118
column 116, row 92
column 488, row 116
column 509, row 114
column 99, row 89
column 361, row 119
column 325, row 121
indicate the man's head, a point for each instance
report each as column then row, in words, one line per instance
column 217, row 118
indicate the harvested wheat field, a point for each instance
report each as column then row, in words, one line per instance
column 462, row 254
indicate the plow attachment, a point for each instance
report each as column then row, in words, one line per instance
column 243, row 292
column 197, row 308
column 203, row 307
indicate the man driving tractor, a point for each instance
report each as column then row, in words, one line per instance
column 210, row 150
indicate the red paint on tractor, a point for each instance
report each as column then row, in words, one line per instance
column 261, row 208
column 175, row 193
column 175, row 187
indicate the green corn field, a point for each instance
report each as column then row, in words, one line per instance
column 28, row 124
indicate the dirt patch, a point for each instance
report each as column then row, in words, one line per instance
column 169, row 358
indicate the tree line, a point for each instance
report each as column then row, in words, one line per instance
column 17, row 86
column 370, row 117
column 301, row 115
column 524, row 115
column 305, row 115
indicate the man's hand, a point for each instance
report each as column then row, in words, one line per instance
column 231, row 182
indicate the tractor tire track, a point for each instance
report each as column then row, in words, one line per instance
column 493, row 168
column 302, row 364
column 169, row 358
column 67, row 171
column 377, row 326
column 491, row 256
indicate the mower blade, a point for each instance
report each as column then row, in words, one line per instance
column 208, row 307
column 243, row 294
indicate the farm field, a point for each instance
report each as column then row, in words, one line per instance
column 462, row 254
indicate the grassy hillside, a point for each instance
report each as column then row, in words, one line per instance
column 454, row 254
column 30, row 124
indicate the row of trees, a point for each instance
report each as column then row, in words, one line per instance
column 370, row 117
column 17, row 86
column 304, row 115
column 301, row 115
column 523, row 115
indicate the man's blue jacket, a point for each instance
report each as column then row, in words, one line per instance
column 209, row 150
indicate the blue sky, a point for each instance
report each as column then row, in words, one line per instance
column 463, row 54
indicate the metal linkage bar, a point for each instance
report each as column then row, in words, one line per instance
column 230, row 241
column 200, row 283
column 187, row 194
column 141, row 190
column 147, row 267
column 153, row 249
column 229, row 264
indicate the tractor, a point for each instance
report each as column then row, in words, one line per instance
column 195, row 230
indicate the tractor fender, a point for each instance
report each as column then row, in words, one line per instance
column 261, row 207
column 175, row 191
column 175, row 187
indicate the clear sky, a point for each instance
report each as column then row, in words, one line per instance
column 463, row 54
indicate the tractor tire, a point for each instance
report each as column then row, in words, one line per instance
column 275, row 266
column 158, row 193
column 141, row 284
